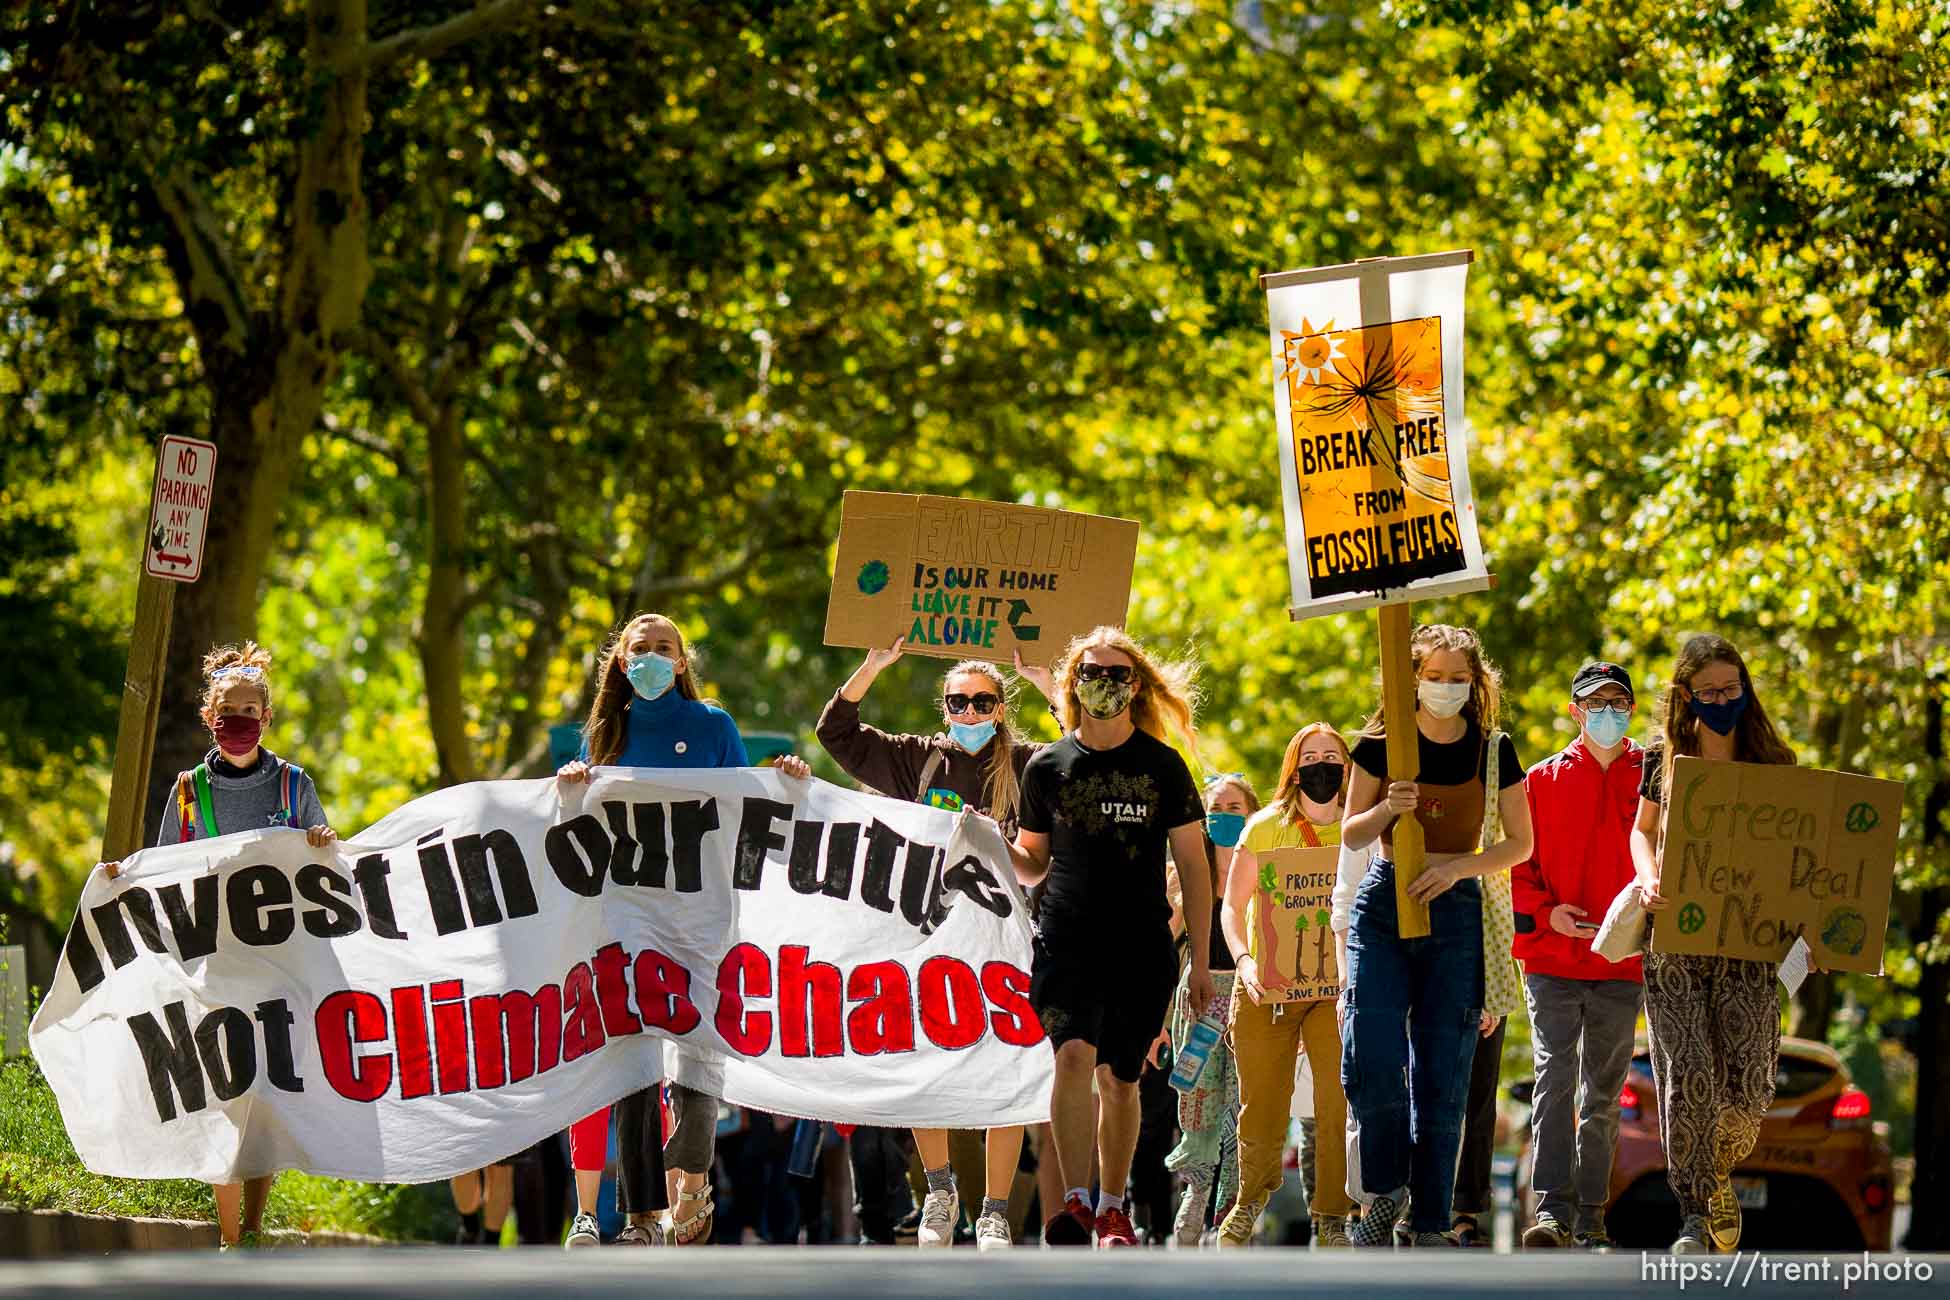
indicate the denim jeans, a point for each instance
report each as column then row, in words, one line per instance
column 1412, row 1008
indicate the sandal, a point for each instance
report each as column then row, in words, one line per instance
column 685, row 1230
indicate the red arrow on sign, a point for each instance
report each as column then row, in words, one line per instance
column 167, row 558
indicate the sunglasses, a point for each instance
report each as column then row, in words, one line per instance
column 983, row 704
column 248, row 672
column 1122, row 674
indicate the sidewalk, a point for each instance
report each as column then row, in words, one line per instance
column 43, row 1234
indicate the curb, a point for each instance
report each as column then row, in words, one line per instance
column 39, row 1234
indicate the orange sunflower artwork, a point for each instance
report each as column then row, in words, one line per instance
column 1370, row 445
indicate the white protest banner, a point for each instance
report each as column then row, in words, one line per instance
column 1374, row 446
column 492, row 962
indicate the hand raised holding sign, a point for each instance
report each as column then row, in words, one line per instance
column 1037, row 675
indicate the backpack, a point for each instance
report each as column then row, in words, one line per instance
column 196, row 813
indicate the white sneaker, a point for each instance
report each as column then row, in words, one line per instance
column 939, row 1215
column 584, row 1233
column 992, row 1232
column 1189, row 1225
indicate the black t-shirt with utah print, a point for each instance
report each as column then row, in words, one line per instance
column 1108, row 814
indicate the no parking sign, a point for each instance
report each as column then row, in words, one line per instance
column 179, row 509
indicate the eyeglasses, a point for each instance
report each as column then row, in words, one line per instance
column 1122, row 674
column 1621, row 707
column 983, row 704
column 1723, row 695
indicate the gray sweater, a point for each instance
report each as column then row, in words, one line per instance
column 245, row 803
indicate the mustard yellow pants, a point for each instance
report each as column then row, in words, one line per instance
column 1266, row 1048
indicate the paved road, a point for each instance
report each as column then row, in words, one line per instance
column 725, row 1274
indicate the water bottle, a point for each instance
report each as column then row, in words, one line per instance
column 1191, row 1057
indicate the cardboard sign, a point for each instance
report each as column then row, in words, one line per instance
column 975, row 579
column 1758, row 854
column 1292, row 907
column 179, row 509
column 1374, row 450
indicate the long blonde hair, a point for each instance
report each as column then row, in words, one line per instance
column 1000, row 791
column 1754, row 738
column 602, row 735
column 1167, row 704
column 1287, row 793
column 1485, row 682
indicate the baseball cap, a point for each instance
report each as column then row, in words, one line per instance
column 1597, row 673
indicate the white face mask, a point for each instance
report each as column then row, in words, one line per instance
column 1443, row 699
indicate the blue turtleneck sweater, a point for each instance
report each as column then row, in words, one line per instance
column 671, row 731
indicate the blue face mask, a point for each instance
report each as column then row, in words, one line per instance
column 651, row 674
column 972, row 736
column 1225, row 828
column 1720, row 718
column 1605, row 727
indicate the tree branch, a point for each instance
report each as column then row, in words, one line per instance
column 208, row 271
column 437, row 38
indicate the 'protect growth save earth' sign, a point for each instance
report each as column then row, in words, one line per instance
column 975, row 579
column 1292, row 917
column 1757, row 854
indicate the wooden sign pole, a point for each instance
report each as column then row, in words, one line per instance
column 135, row 736
column 1395, row 624
column 172, row 552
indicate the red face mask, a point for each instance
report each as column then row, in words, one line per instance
column 236, row 734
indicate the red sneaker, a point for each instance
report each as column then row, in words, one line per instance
column 1114, row 1229
column 1071, row 1227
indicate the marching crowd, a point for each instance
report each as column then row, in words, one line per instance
column 1154, row 935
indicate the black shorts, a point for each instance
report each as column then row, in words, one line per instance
column 1115, row 1000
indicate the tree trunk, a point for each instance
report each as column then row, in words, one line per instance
column 440, row 640
column 1929, row 1221
column 266, row 394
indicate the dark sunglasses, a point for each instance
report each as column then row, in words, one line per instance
column 983, row 704
column 1122, row 674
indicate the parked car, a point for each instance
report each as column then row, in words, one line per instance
column 1819, row 1178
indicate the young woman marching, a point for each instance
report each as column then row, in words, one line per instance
column 647, row 714
column 1207, row 1155
column 1714, row 1022
column 240, row 786
column 1098, row 809
column 1268, row 1032
column 1428, row 991
column 976, row 764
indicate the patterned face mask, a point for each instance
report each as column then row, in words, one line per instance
column 1103, row 698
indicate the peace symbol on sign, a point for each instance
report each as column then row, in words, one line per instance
column 1862, row 817
column 1692, row 919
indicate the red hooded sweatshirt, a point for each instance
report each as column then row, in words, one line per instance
column 1581, row 817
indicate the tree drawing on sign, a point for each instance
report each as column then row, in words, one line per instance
column 1300, row 923
column 1324, row 953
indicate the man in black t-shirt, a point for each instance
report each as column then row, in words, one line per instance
column 1098, row 809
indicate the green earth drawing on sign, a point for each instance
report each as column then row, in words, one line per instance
column 873, row 577
column 1845, row 930
column 1692, row 919
column 1862, row 817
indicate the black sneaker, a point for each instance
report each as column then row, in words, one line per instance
column 1594, row 1239
column 1377, row 1226
column 1467, row 1233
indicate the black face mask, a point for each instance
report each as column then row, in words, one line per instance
column 1321, row 782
